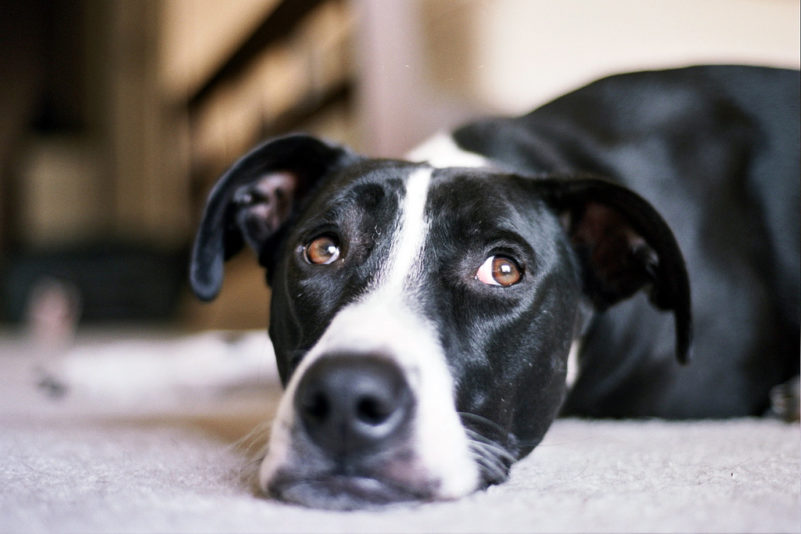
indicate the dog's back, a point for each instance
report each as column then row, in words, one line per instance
column 716, row 151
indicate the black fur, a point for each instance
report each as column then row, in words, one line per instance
column 716, row 151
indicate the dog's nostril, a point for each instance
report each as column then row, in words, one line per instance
column 316, row 407
column 373, row 411
column 349, row 403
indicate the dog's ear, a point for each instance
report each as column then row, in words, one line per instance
column 623, row 246
column 252, row 201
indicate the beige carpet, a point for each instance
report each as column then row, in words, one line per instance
column 144, row 441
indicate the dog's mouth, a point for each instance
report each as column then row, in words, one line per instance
column 310, row 477
column 346, row 492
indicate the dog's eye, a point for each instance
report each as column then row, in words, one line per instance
column 322, row 250
column 499, row 271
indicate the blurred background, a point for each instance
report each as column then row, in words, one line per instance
column 116, row 117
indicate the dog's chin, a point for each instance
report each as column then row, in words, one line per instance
column 340, row 492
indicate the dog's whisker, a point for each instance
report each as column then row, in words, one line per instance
column 252, row 440
column 488, row 453
column 475, row 418
column 513, row 443
column 494, row 458
column 246, row 471
column 497, row 450
column 476, row 423
column 494, row 467
column 493, row 473
column 254, row 447
column 485, row 441
column 472, row 420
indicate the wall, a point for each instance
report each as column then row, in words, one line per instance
column 431, row 63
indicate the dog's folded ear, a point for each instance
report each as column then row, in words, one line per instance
column 252, row 201
column 623, row 246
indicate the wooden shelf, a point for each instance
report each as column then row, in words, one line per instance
column 274, row 29
column 292, row 69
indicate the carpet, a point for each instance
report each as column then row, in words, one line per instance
column 126, row 433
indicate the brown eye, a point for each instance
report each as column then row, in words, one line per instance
column 499, row 271
column 322, row 250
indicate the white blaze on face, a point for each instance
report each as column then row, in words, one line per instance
column 404, row 259
column 386, row 321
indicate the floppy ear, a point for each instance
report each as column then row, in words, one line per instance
column 252, row 201
column 624, row 246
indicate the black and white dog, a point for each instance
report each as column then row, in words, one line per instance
column 432, row 317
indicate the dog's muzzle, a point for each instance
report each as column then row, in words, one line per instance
column 371, row 426
column 353, row 419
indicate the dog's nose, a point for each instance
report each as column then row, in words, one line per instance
column 353, row 403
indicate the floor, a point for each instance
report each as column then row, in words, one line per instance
column 132, row 431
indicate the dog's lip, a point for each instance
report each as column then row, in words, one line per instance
column 346, row 492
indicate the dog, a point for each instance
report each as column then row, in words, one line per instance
column 431, row 317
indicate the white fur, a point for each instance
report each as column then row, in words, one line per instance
column 442, row 151
column 573, row 363
column 411, row 233
column 385, row 321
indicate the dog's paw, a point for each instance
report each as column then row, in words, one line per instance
column 785, row 400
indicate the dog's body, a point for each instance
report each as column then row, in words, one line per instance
column 422, row 316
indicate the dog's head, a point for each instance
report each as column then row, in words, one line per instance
column 422, row 317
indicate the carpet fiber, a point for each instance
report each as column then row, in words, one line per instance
column 168, row 454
